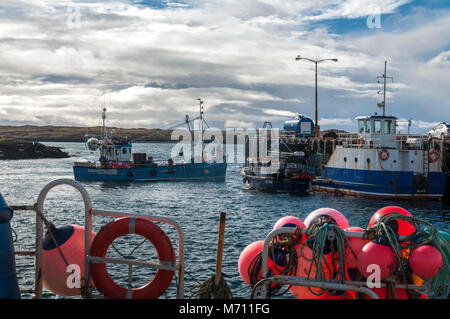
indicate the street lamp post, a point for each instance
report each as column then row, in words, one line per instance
column 298, row 58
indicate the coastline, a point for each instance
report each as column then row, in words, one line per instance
column 18, row 150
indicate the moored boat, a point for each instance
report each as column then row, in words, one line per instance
column 118, row 163
column 382, row 164
column 292, row 176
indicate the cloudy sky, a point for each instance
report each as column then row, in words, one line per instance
column 61, row 60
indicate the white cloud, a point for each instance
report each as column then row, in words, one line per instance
column 336, row 122
column 236, row 55
column 238, row 124
column 440, row 60
column 280, row 113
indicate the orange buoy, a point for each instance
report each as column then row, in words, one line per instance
column 140, row 226
column 426, row 261
column 340, row 219
column 56, row 276
column 401, row 227
column 356, row 245
column 373, row 254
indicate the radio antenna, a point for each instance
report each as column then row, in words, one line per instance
column 384, row 77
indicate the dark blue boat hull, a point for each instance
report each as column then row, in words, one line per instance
column 380, row 184
column 9, row 286
column 298, row 186
column 191, row 171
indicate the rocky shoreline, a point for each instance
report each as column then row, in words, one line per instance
column 14, row 150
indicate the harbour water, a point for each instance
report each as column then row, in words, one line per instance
column 195, row 205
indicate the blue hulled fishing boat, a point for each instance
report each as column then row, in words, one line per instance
column 382, row 164
column 118, row 163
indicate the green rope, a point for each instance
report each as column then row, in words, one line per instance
column 425, row 234
column 325, row 232
column 208, row 290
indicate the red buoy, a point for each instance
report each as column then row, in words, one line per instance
column 356, row 245
column 375, row 257
column 401, row 227
column 248, row 257
column 56, row 276
column 289, row 221
column 340, row 219
column 426, row 261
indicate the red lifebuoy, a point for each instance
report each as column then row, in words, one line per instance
column 361, row 141
column 434, row 156
column 384, row 155
column 121, row 227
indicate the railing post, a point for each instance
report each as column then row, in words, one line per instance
column 38, row 257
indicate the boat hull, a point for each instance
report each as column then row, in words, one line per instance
column 380, row 184
column 191, row 171
column 270, row 184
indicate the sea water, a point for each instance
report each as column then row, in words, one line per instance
column 196, row 206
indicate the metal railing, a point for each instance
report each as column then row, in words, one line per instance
column 89, row 212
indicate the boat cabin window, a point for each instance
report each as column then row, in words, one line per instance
column 368, row 126
column 377, row 124
column 361, row 126
column 387, row 127
column 124, row 150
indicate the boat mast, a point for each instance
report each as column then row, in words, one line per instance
column 200, row 128
column 384, row 77
column 103, row 120
column 201, row 109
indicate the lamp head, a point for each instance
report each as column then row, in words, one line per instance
column 298, row 58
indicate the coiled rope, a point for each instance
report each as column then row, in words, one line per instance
column 284, row 247
column 209, row 290
column 425, row 234
column 326, row 236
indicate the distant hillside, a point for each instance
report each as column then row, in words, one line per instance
column 76, row 134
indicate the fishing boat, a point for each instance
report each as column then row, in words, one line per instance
column 382, row 163
column 290, row 177
column 281, row 172
column 117, row 162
